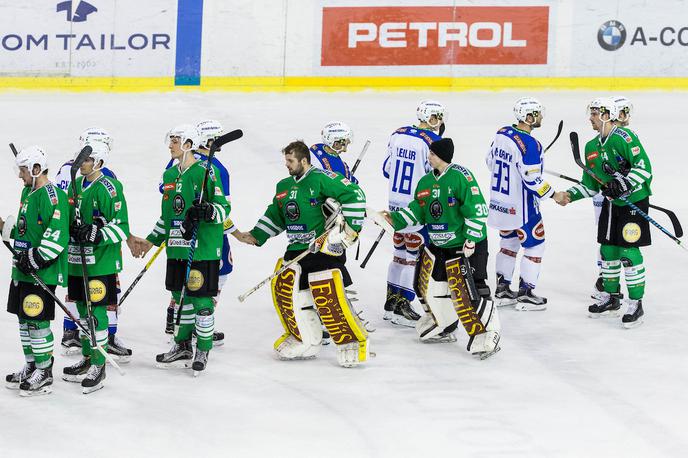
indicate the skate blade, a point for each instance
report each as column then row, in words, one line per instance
column 401, row 321
column 91, row 389
column 504, row 301
column 632, row 325
column 326, row 341
column 440, row 340
column 12, row 385
column 183, row 364
column 38, row 392
column 607, row 314
column 487, row 354
column 218, row 343
column 71, row 351
column 298, row 358
column 120, row 359
column 73, row 378
column 528, row 307
column 388, row 316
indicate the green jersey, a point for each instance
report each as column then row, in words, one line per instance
column 451, row 206
column 622, row 151
column 102, row 199
column 43, row 223
column 296, row 207
column 180, row 190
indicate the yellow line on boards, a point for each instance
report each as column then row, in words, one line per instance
column 346, row 84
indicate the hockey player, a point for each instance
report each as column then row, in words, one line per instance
column 100, row 223
column 449, row 203
column 185, row 212
column 617, row 157
column 336, row 137
column 40, row 237
column 516, row 163
column 322, row 212
column 406, row 163
column 209, row 130
column 71, row 343
column 625, row 107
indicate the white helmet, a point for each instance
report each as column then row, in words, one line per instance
column 595, row 104
column 209, row 130
column 185, row 132
column 527, row 106
column 30, row 156
column 95, row 134
column 624, row 105
column 427, row 108
column 100, row 152
column 608, row 105
column 336, row 131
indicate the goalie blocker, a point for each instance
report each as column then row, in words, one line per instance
column 301, row 310
column 444, row 283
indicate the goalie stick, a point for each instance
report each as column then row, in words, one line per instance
column 577, row 158
column 678, row 229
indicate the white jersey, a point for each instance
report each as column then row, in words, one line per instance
column 515, row 160
column 406, row 163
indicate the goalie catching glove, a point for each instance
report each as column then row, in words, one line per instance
column 338, row 235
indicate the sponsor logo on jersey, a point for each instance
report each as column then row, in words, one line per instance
column 296, row 227
column 473, row 233
column 51, row 194
column 475, row 190
column 346, row 182
column 300, row 237
column 218, row 191
column 623, row 134
column 97, row 290
column 611, row 35
column 281, row 195
column 22, row 244
column 544, row 189
column 436, row 209
column 502, row 209
column 635, row 150
column 21, row 225
column 519, row 143
column 631, row 232
column 522, row 236
column 178, row 205
column 313, row 201
column 32, row 305
column 451, row 201
column 330, row 174
column 592, row 156
column 539, row 231
column 292, row 211
column 39, row 220
column 196, row 280
column 423, row 193
column 441, row 238
column 118, row 206
column 57, row 214
column 438, row 227
column 110, row 188
column 178, row 243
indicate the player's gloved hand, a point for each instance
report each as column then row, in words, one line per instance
column 468, row 248
column 187, row 227
column 201, row 211
column 30, row 261
column 618, row 188
column 88, row 233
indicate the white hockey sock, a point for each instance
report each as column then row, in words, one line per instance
column 506, row 257
column 530, row 264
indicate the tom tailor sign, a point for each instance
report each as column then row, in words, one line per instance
column 464, row 35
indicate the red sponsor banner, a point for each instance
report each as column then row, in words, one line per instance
column 438, row 35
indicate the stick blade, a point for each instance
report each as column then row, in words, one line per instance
column 575, row 148
column 14, row 149
column 226, row 138
column 80, row 158
column 7, row 228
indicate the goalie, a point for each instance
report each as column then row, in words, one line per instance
column 322, row 212
column 449, row 203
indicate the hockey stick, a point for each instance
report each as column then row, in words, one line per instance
column 314, row 247
column 678, row 229
column 576, row 157
column 556, row 137
column 140, row 275
column 6, row 230
column 372, row 249
column 353, row 170
column 217, row 144
column 14, row 150
column 386, row 227
column 80, row 158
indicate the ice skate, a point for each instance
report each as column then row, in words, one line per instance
column 634, row 314
column 117, row 350
column 12, row 381
column 598, row 291
column 528, row 301
column 169, row 320
column 404, row 315
column 71, row 344
column 40, row 382
column 179, row 356
column 76, row 372
column 389, row 305
column 606, row 305
column 93, row 381
column 199, row 362
column 504, row 296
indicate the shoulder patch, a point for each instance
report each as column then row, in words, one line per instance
column 52, row 194
column 346, row 181
column 623, row 134
column 519, row 143
column 329, row 174
column 109, row 186
column 118, row 206
column 635, row 150
column 465, row 172
column 281, row 195
column 423, row 193
column 475, row 190
column 57, row 214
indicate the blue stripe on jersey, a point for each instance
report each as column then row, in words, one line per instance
column 427, row 136
column 530, row 148
column 331, row 162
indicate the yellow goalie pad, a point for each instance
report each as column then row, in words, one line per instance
column 344, row 326
column 284, row 297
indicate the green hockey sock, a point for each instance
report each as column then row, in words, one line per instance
column 101, row 326
column 634, row 272
column 25, row 340
column 205, row 322
column 188, row 319
column 41, row 342
column 611, row 268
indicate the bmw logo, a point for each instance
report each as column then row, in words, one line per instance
column 611, row 35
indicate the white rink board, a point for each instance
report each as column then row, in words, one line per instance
column 562, row 386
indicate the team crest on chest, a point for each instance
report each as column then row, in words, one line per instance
column 178, row 204
column 21, row 225
column 436, row 209
column 292, row 211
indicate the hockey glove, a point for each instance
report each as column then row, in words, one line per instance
column 188, row 226
column 618, row 188
column 337, row 240
column 30, row 261
column 468, row 248
column 90, row 233
column 201, row 211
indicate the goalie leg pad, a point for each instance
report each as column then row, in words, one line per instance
column 346, row 329
column 463, row 295
column 302, row 331
column 436, row 325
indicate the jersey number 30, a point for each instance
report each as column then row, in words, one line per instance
column 403, row 176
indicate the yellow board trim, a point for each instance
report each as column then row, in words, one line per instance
column 345, row 84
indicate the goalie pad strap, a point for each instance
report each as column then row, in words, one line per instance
column 344, row 326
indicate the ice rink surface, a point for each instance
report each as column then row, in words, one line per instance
column 563, row 384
